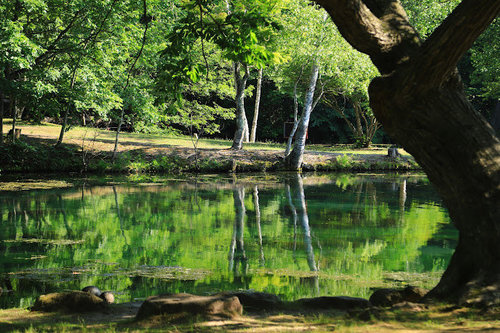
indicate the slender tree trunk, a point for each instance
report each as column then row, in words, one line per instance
column 63, row 127
column 1, row 118
column 246, row 131
column 257, row 105
column 296, row 157
column 357, row 115
column 241, row 120
column 115, row 149
column 291, row 135
column 20, row 112
column 13, row 110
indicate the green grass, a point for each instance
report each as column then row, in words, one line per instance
column 77, row 134
column 422, row 318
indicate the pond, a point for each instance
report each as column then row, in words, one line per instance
column 292, row 235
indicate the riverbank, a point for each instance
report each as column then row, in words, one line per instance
column 91, row 151
column 120, row 318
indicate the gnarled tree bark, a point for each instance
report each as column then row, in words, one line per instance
column 421, row 102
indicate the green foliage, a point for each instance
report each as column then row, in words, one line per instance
column 240, row 31
column 22, row 156
column 486, row 62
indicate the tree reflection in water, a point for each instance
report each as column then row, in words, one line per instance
column 293, row 235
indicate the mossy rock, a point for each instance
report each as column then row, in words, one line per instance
column 72, row 301
column 211, row 306
column 389, row 297
column 255, row 300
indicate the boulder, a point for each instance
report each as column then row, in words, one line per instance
column 333, row 302
column 389, row 297
column 255, row 300
column 72, row 301
column 213, row 306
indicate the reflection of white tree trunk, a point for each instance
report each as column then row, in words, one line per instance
column 402, row 195
column 237, row 254
column 118, row 213
column 65, row 219
column 257, row 221
column 294, row 215
column 300, row 214
column 300, row 200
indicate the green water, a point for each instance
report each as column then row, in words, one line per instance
column 295, row 236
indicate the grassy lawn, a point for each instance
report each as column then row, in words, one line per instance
column 99, row 139
column 422, row 318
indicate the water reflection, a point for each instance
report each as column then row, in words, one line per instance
column 237, row 258
column 294, row 235
column 299, row 215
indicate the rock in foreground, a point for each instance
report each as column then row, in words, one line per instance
column 213, row 306
column 255, row 300
column 389, row 297
column 72, row 301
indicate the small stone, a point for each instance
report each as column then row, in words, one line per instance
column 93, row 290
column 108, row 297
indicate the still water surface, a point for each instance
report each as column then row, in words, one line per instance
column 296, row 236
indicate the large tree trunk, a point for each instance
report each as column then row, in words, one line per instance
column 463, row 163
column 241, row 119
column 257, row 106
column 422, row 105
column 296, row 157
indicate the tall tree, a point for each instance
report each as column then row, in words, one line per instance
column 242, row 36
column 421, row 102
column 258, row 90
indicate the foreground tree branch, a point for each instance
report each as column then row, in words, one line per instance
column 443, row 49
column 388, row 39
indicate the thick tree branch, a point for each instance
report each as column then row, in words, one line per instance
column 359, row 26
column 379, row 28
column 443, row 49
